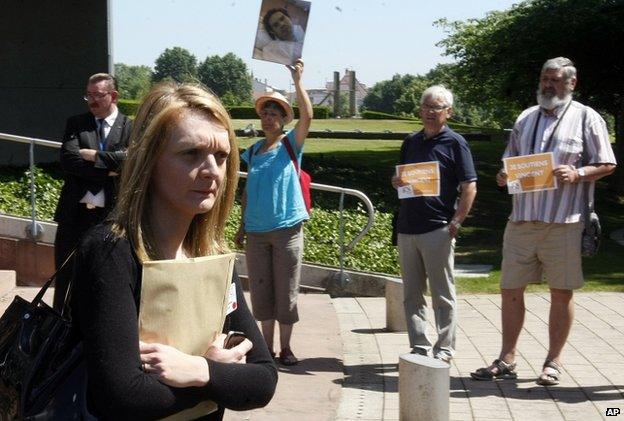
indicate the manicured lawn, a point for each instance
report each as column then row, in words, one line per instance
column 367, row 165
column 347, row 125
column 355, row 124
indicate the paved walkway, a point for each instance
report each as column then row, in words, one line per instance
column 349, row 362
column 594, row 361
column 311, row 390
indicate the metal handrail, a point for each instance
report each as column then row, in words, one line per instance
column 35, row 230
column 31, row 140
column 342, row 191
column 342, row 279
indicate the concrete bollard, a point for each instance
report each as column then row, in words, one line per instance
column 424, row 386
column 395, row 312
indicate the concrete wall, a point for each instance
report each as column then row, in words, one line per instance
column 32, row 260
column 48, row 49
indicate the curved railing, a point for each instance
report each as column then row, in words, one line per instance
column 35, row 229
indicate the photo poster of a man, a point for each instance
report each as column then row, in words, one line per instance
column 281, row 30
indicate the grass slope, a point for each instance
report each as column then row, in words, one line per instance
column 367, row 165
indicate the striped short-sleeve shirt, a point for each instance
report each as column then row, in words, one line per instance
column 566, row 203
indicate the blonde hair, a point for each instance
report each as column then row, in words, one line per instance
column 162, row 108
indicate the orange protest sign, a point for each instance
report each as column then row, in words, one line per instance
column 423, row 179
column 529, row 173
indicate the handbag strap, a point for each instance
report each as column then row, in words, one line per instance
column 291, row 153
column 39, row 297
column 251, row 154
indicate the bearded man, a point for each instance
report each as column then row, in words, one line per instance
column 543, row 235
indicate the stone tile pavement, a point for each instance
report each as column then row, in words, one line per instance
column 349, row 362
column 593, row 379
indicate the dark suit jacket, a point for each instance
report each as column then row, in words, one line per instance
column 81, row 175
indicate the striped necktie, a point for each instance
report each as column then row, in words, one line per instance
column 101, row 134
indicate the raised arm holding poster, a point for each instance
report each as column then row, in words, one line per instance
column 529, row 173
column 281, row 30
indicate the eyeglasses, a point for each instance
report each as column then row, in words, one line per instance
column 434, row 108
column 95, row 95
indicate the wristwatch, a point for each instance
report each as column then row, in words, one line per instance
column 581, row 173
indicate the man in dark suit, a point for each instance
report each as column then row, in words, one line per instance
column 94, row 147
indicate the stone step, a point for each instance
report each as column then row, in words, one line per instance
column 7, row 281
column 27, row 293
column 472, row 271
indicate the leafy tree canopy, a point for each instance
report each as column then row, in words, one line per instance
column 133, row 81
column 383, row 95
column 175, row 63
column 228, row 77
column 499, row 57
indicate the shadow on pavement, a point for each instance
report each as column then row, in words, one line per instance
column 509, row 389
column 308, row 366
column 373, row 377
column 369, row 331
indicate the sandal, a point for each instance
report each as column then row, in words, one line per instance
column 499, row 370
column 286, row 357
column 551, row 372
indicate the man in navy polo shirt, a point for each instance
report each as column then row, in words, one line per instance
column 428, row 224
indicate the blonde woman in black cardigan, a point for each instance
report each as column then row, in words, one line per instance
column 177, row 188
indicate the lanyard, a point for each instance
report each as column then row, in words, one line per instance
column 539, row 115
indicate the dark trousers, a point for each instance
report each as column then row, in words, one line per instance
column 68, row 234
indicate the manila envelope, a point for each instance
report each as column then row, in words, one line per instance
column 183, row 304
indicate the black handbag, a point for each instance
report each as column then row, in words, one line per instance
column 590, row 239
column 42, row 373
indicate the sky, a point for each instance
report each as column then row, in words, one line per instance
column 376, row 38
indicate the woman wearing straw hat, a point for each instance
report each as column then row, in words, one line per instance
column 273, row 213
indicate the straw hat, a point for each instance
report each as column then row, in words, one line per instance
column 280, row 99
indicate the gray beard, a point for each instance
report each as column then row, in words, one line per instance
column 552, row 102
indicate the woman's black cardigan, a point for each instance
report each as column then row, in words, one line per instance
column 105, row 304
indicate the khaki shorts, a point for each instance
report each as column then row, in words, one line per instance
column 536, row 250
column 274, row 267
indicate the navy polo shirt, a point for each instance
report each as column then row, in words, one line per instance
column 419, row 215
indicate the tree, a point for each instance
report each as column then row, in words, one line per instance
column 228, row 77
column 175, row 63
column 383, row 95
column 343, row 106
column 409, row 101
column 500, row 56
column 133, row 81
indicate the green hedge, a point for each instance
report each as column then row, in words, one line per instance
column 245, row 112
column 374, row 253
column 15, row 191
column 128, row 107
column 249, row 112
column 378, row 115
